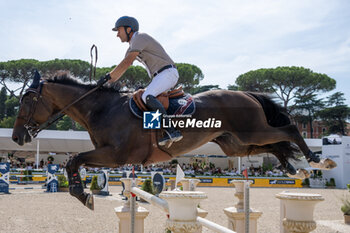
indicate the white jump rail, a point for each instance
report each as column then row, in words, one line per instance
column 160, row 203
column 17, row 188
column 180, row 205
column 213, row 226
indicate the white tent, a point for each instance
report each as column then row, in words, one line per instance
column 62, row 142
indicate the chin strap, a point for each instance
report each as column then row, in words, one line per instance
column 127, row 34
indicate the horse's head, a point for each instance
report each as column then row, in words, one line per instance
column 33, row 111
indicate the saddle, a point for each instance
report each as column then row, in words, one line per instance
column 176, row 102
column 163, row 97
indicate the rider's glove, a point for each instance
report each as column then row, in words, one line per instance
column 103, row 80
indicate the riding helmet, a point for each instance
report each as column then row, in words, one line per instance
column 127, row 21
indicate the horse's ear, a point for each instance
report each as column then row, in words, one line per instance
column 36, row 79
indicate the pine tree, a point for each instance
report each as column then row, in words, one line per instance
column 3, row 98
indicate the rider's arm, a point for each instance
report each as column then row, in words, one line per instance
column 120, row 69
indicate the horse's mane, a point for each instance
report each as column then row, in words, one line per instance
column 66, row 78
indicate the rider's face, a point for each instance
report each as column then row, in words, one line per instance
column 122, row 35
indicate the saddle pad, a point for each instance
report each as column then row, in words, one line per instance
column 177, row 106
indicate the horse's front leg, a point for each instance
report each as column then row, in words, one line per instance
column 101, row 157
column 76, row 188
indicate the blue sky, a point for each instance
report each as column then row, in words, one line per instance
column 225, row 38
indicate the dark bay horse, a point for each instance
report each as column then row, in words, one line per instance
column 250, row 124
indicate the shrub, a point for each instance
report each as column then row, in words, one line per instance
column 317, row 174
column 27, row 173
column 331, row 182
column 267, row 167
column 306, row 182
column 346, row 205
column 94, row 185
column 148, row 187
column 62, row 181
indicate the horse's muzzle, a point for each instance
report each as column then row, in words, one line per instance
column 21, row 136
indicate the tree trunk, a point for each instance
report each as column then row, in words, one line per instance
column 74, row 127
column 311, row 128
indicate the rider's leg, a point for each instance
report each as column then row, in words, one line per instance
column 164, row 81
column 172, row 135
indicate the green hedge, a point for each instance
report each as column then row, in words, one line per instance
column 94, row 185
column 62, row 181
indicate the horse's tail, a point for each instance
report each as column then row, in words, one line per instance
column 275, row 114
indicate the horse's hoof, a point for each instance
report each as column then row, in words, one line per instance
column 312, row 157
column 324, row 164
column 301, row 174
column 90, row 202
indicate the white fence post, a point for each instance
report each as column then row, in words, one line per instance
column 191, row 185
column 297, row 211
column 236, row 214
column 124, row 214
column 182, row 210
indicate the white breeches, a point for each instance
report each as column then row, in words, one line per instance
column 164, row 81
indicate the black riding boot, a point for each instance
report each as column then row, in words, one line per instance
column 172, row 135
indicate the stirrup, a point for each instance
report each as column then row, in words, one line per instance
column 168, row 139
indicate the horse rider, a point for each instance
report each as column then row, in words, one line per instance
column 159, row 66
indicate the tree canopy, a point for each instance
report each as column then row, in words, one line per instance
column 134, row 77
column 335, row 114
column 189, row 76
column 199, row 89
column 21, row 71
column 306, row 108
column 285, row 82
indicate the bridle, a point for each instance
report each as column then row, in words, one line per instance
column 34, row 127
column 31, row 125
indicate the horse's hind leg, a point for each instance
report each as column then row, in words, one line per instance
column 271, row 135
column 313, row 159
column 293, row 131
column 228, row 144
column 102, row 157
